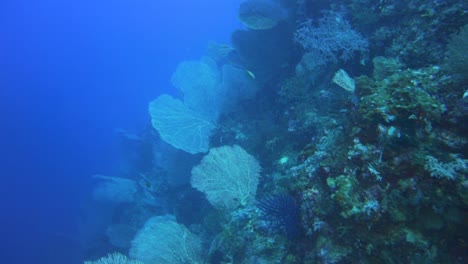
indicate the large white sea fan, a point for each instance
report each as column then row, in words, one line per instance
column 114, row 258
column 180, row 126
column 200, row 84
column 228, row 176
column 164, row 241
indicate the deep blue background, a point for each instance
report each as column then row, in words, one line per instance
column 70, row 73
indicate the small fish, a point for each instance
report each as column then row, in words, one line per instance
column 251, row 74
column 148, row 184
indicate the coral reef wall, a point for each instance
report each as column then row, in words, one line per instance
column 357, row 113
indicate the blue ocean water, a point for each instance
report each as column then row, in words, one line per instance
column 70, row 74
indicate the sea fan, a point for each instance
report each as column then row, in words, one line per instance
column 283, row 212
